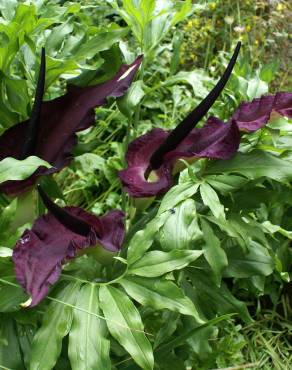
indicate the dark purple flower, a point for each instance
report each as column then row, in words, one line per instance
column 253, row 115
column 57, row 237
column 51, row 131
column 151, row 157
column 215, row 140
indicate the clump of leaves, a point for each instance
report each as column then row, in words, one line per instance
column 215, row 247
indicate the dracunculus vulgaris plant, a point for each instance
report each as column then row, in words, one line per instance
column 59, row 236
column 152, row 157
column 50, row 133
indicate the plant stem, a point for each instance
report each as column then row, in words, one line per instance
column 239, row 367
column 26, row 210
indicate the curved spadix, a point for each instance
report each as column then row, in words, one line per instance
column 74, row 224
column 30, row 140
column 177, row 135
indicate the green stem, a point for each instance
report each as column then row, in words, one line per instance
column 138, row 109
column 3, row 200
column 26, row 210
column 133, row 124
column 238, row 12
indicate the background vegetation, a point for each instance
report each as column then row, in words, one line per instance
column 186, row 49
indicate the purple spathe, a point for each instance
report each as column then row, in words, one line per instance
column 39, row 254
column 215, row 140
column 251, row 116
column 60, row 119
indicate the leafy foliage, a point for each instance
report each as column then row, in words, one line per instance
column 203, row 266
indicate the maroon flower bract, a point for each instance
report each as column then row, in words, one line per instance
column 137, row 157
column 254, row 115
column 156, row 152
column 215, row 140
column 39, row 254
column 59, row 121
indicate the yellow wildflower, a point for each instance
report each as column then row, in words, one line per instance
column 212, row 6
column 280, row 7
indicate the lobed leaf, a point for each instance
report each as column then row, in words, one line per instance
column 125, row 325
column 177, row 194
column 157, row 263
column 159, row 294
column 47, row 343
column 214, row 254
column 254, row 165
column 88, row 346
column 211, row 200
column 14, row 169
column 181, row 228
column 144, row 239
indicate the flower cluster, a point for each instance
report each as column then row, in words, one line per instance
column 50, row 133
column 215, row 140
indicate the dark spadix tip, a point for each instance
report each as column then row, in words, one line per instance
column 74, row 224
column 185, row 127
column 30, row 140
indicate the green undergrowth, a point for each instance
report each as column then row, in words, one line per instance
column 203, row 281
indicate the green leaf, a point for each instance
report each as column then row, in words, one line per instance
column 176, row 195
column 254, row 165
column 17, row 95
column 159, row 294
column 7, row 8
column 181, row 228
column 10, row 352
column 137, row 14
column 257, row 261
column 211, row 200
column 171, row 320
column 89, row 162
column 143, row 239
column 256, row 88
column 212, row 300
column 270, row 228
column 100, row 42
column 14, row 169
column 8, row 118
column 179, row 340
column 213, row 252
column 11, row 293
column 131, row 99
column 151, row 20
column 9, row 48
column 56, row 67
column 177, row 41
column 57, row 36
column 125, row 325
column 157, row 263
column 5, row 252
column 235, row 228
column 268, row 71
column 225, row 184
column 47, row 343
column 88, row 346
column 183, row 12
column 196, row 79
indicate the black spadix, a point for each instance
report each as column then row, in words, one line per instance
column 177, row 135
column 74, row 224
column 30, row 140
